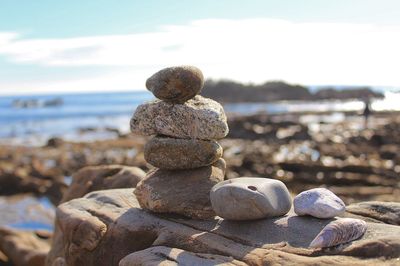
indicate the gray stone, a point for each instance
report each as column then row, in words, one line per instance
column 184, row 192
column 176, row 84
column 249, row 198
column 198, row 118
column 171, row 153
column 318, row 202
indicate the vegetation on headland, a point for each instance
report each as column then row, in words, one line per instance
column 230, row 91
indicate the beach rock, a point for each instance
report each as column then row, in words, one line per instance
column 387, row 212
column 93, row 178
column 23, row 248
column 176, row 84
column 249, row 198
column 184, row 192
column 198, row 118
column 174, row 256
column 318, row 202
column 105, row 226
column 171, row 153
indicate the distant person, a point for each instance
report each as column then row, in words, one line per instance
column 367, row 112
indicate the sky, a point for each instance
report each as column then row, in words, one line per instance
column 103, row 45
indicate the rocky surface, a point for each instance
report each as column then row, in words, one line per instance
column 318, row 202
column 387, row 212
column 94, row 225
column 176, row 84
column 24, row 248
column 302, row 150
column 46, row 171
column 199, row 118
column 171, row 153
column 93, row 178
column 249, row 198
column 184, row 192
column 161, row 255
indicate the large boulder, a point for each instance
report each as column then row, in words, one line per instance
column 93, row 178
column 105, row 226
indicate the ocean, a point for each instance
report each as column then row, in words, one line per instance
column 33, row 119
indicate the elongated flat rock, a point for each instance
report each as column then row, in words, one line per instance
column 249, row 198
column 184, row 192
column 171, row 153
column 176, row 84
column 318, row 202
column 198, row 118
column 338, row 232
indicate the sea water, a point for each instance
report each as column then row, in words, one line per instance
column 97, row 113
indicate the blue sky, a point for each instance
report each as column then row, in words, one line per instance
column 99, row 45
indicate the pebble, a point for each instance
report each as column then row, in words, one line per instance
column 176, row 84
column 249, row 198
column 318, row 202
column 198, row 118
column 171, row 153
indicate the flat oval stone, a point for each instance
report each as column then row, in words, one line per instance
column 176, row 84
column 171, row 153
column 249, row 198
column 198, row 118
column 184, row 192
column 318, row 202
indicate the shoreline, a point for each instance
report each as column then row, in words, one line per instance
column 303, row 150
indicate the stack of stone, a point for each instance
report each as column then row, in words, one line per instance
column 184, row 150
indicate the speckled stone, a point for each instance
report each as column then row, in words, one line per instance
column 171, row 153
column 176, row 84
column 318, row 202
column 198, row 118
column 249, row 198
column 184, row 192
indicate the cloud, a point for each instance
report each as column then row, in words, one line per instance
column 246, row 50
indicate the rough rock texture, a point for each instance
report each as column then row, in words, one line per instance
column 171, row 153
column 185, row 192
column 176, row 84
column 93, row 178
column 105, row 226
column 198, row 118
column 388, row 212
column 23, row 248
column 338, row 232
column 318, row 202
column 174, row 256
column 249, row 198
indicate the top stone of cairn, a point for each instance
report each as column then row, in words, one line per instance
column 176, row 84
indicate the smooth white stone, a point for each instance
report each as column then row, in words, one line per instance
column 318, row 202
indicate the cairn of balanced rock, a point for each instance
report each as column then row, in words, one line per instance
column 184, row 150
